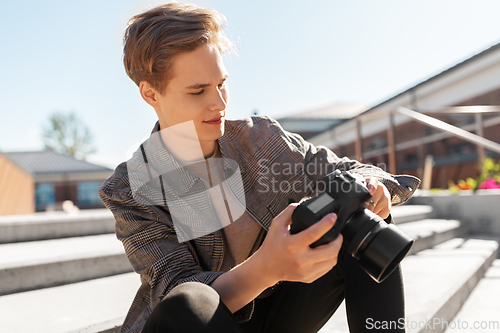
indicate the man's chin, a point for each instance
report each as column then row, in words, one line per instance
column 218, row 133
column 213, row 136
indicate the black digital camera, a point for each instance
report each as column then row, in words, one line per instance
column 378, row 246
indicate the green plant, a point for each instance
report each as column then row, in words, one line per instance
column 491, row 170
column 488, row 179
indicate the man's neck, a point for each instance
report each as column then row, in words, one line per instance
column 208, row 148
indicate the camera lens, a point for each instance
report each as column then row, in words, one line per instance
column 378, row 246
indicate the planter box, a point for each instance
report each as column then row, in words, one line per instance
column 480, row 209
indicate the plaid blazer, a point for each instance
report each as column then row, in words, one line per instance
column 277, row 167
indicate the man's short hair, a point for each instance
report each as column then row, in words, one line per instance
column 155, row 37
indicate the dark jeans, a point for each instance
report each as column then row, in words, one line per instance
column 293, row 307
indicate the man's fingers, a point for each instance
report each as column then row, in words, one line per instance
column 327, row 257
column 371, row 184
column 383, row 203
column 383, row 210
column 380, row 202
column 376, row 202
column 317, row 230
column 327, row 251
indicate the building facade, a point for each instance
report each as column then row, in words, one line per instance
column 475, row 81
column 55, row 178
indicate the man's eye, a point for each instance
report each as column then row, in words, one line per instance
column 197, row 93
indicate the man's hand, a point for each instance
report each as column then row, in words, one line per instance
column 282, row 257
column 381, row 198
column 287, row 257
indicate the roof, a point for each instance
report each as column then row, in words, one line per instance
column 443, row 73
column 49, row 162
column 328, row 112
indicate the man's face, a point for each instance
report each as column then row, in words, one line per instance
column 196, row 91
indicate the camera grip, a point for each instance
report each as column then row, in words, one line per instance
column 303, row 219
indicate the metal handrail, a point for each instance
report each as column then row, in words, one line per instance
column 478, row 140
column 472, row 109
column 476, row 109
column 441, row 125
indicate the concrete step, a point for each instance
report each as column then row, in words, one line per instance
column 431, row 232
column 409, row 213
column 98, row 305
column 481, row 311
column 41, row 264
column 437, row 282
column 39, row 226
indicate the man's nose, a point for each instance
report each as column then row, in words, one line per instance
column 218, row 102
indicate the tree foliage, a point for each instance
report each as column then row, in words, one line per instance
column 67, row 134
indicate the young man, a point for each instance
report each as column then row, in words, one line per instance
column 249, row 274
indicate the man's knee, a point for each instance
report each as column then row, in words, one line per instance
column 191, row 307
column 190, row 301
column 185, row 307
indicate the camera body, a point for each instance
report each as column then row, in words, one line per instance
column 378, row 246
column 339, row 192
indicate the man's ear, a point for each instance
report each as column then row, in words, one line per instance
column 148, row 93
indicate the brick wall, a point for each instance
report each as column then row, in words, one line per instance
column 17, row 189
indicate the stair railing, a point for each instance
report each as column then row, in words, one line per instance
column 477, row 139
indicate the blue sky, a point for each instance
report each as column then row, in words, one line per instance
column 292, row 56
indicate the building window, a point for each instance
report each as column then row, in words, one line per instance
column 87, row 193
column 44, row 195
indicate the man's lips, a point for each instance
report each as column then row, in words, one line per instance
column 214, row 121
